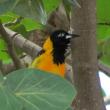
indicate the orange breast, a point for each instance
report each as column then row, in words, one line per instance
column 45, row 61
column 48, row 65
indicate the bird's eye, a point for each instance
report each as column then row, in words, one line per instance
column 61, row 35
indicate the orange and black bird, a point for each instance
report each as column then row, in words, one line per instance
column 52, row 57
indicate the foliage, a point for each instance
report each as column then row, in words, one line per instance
column 35, row 9
column 35, row 13
column 103, row 30
column 3, row 54
column 31, row 89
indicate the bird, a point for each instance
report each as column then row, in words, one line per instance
column 52, row 56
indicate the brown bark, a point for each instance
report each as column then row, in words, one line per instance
column 84, row 54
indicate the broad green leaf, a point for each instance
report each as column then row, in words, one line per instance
column 26, row 8
column 20, row 28
column 39, row 90
column 7, row 100
column 8, row 17
column 38, row 10
column 103, row 14
column 103, row 33
column 31, row 24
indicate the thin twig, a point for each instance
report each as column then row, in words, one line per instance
column 32, row 49
column 10, row 47
column 27, row 46
column 104, row 68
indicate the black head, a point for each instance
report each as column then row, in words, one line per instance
column 61, row 40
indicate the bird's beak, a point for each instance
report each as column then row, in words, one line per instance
column 75, row 35
column 72, row 36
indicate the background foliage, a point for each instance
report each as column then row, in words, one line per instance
column 35, row 14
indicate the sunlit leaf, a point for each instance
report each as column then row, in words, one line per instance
column 103, row 33
column 8, row 17
column 31, row 24
column 3, row 52
column 103, row 14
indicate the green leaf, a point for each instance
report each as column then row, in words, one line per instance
column 7, row 100
column 50, row 5
column 34, row 9
column 8, row 17
column 103, row 14
column 106, row 52
column 3, row 55
column 27, row 8
column 31, row 24
column 20, row 28
column 103, row 33
column 39, row 90
column 70, row 108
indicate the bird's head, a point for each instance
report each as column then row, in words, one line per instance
column 62, row 38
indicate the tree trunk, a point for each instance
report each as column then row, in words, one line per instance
column 84, row 54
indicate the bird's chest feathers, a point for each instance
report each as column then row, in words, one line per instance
column 46, row 63
column 50, row 61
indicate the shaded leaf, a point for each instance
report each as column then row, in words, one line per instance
column 26, row 8
column 39, row 90
column 7, row 100
column 70, row 108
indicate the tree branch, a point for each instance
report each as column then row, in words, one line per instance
column 10, row 47
column 32, row 49
column 27, row 46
